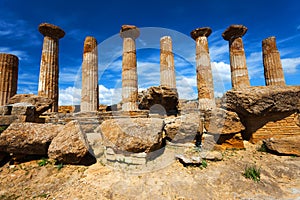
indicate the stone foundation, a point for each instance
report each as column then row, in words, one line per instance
column 276, row 125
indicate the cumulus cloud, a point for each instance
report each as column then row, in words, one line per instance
column 72, row 95
column 290, row 65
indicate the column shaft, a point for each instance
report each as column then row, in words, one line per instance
column 239, row 71
column 204, row 75
column 90, row 92
column 167, row 71
column 272, row 64
column 48, row 80
column 129, row 76
column 8, row 77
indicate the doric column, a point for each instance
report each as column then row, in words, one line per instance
column 8, row 77
column 129, row 71
column 48, row 81
column 89, row 91
column 167, row 71
column 239, row 71
column 272, row 64
column 205, row 83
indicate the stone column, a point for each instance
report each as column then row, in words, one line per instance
column 167, row 71
column 129, row 71
column 89, row 91
column 205, row 83
column 48, row 81
column 272, row 64
column 8, row 77
column 239, row 71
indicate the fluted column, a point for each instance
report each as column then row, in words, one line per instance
column 167, row 71
column 272, row 64
column 205, row 83
column 8, row 77
column 129, row 70
column 49, row 71
column 89, row 91
column 239, row 71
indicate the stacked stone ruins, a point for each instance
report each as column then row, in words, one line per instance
column 145, row 122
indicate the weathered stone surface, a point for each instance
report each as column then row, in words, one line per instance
column 234, row 31
column 51, row 30
column 129, row 71
column 205, row 84
column 49, row 70
column 165, row 99
column 220, row 121
column 28, row 138
column 167, row 71
column 239, row 71
column 5, row 110
column 184, row 128
column 40, row 103
column 272, row 64
column 200, row 32
column 188, row 106
column 8, row 77
column 90, row 91
column 133, row 135
column 130, row 31
column 288, row 145
column 70, row 145
column 262, row 100
column 196, row 158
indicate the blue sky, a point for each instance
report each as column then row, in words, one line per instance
column 19, row 35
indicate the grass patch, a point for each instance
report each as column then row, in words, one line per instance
column 2, row 128
column 263, row 148
column 59, row 166
column 43, row 162
column 252, row 172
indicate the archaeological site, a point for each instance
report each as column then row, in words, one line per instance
column 149, row 131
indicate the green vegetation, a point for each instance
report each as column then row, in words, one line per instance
column 59, row 166
column 204, row 164
column 252, row 172
column 2, row 128
column 43, row 162
column 262, row 148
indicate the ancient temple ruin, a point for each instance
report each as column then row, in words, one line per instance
column 149, row 120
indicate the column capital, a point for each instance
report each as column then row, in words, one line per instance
column 51, row 30
column 199, row 32
column 234, row 31
column 129, row 31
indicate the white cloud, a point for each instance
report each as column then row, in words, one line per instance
column 72, row 95
column 290, row 65
column 22, row 55
column 221, row 72
column 69, row 96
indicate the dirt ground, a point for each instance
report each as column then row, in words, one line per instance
column 219, row 180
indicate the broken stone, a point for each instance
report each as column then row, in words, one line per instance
column 163, row 98
column 28, row 138
column 70, row 146
column 133, row 134
column 287, row 145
